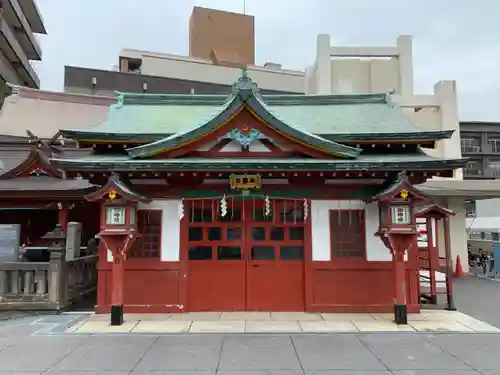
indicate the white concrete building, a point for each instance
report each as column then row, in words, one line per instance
column 270, row 76
column 339, row 70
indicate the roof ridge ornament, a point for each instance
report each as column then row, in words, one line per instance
column 120, row 100
column 245, row 83
column 402, row 176
column 40, row 144
column 389, row 99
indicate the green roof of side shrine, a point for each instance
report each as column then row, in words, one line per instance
column 160, row 123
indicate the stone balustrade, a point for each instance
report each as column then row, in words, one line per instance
column 35, row 285
column 53, row 285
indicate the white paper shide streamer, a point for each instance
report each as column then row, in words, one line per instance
column 223, row 206
column 267, row 206
column 181, row 209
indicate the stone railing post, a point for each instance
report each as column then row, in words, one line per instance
column 3, row 284
column 58, row 291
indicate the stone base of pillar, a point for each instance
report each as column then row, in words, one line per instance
column 434, row 300
column 451, row 303
column 117, row 315
column 400, row 314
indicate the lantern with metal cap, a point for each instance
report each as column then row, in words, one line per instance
column 118, row 232
column 119, row 214
column 396, row 212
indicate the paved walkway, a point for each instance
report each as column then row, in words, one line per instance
column 10, row 315
column 313, row 354
column 261, row 322
column 40, row 345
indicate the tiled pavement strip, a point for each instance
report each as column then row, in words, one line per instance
column 250, row 322
column 279, row 322
column 402, row 353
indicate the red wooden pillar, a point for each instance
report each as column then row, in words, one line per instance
column 449, row 265
column 431, row 250
column 63, row 216
column 399, row 278
column 400, row 244
column 119, row 246
column 118, row 279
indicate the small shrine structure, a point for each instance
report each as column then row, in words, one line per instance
column 257, row 202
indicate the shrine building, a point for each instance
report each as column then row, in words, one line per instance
column 252, row 201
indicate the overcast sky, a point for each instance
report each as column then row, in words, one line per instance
column 453, row 39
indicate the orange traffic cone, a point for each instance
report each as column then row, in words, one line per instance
column 459, row 272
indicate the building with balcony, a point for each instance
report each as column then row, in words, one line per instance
column 20, row 20
column 480, row 142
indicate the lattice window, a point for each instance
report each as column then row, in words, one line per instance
column 495, row 144
column 149, row 244
column 470, row 144
column 347, row 231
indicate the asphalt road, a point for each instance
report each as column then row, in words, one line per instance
column 479, row 298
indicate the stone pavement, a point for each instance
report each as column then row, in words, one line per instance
column 247, row 354
column 36, row 345
column 12, row 315
column 281, row 322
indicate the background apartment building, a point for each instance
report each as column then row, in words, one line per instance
column 20, row 20
column 480, row 142
column 220, row 44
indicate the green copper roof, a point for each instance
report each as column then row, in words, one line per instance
column 245, row 95
column 393, row 162
column 151, row 117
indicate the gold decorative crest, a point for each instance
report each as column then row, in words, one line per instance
column 112, row 194
column 404, row 194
